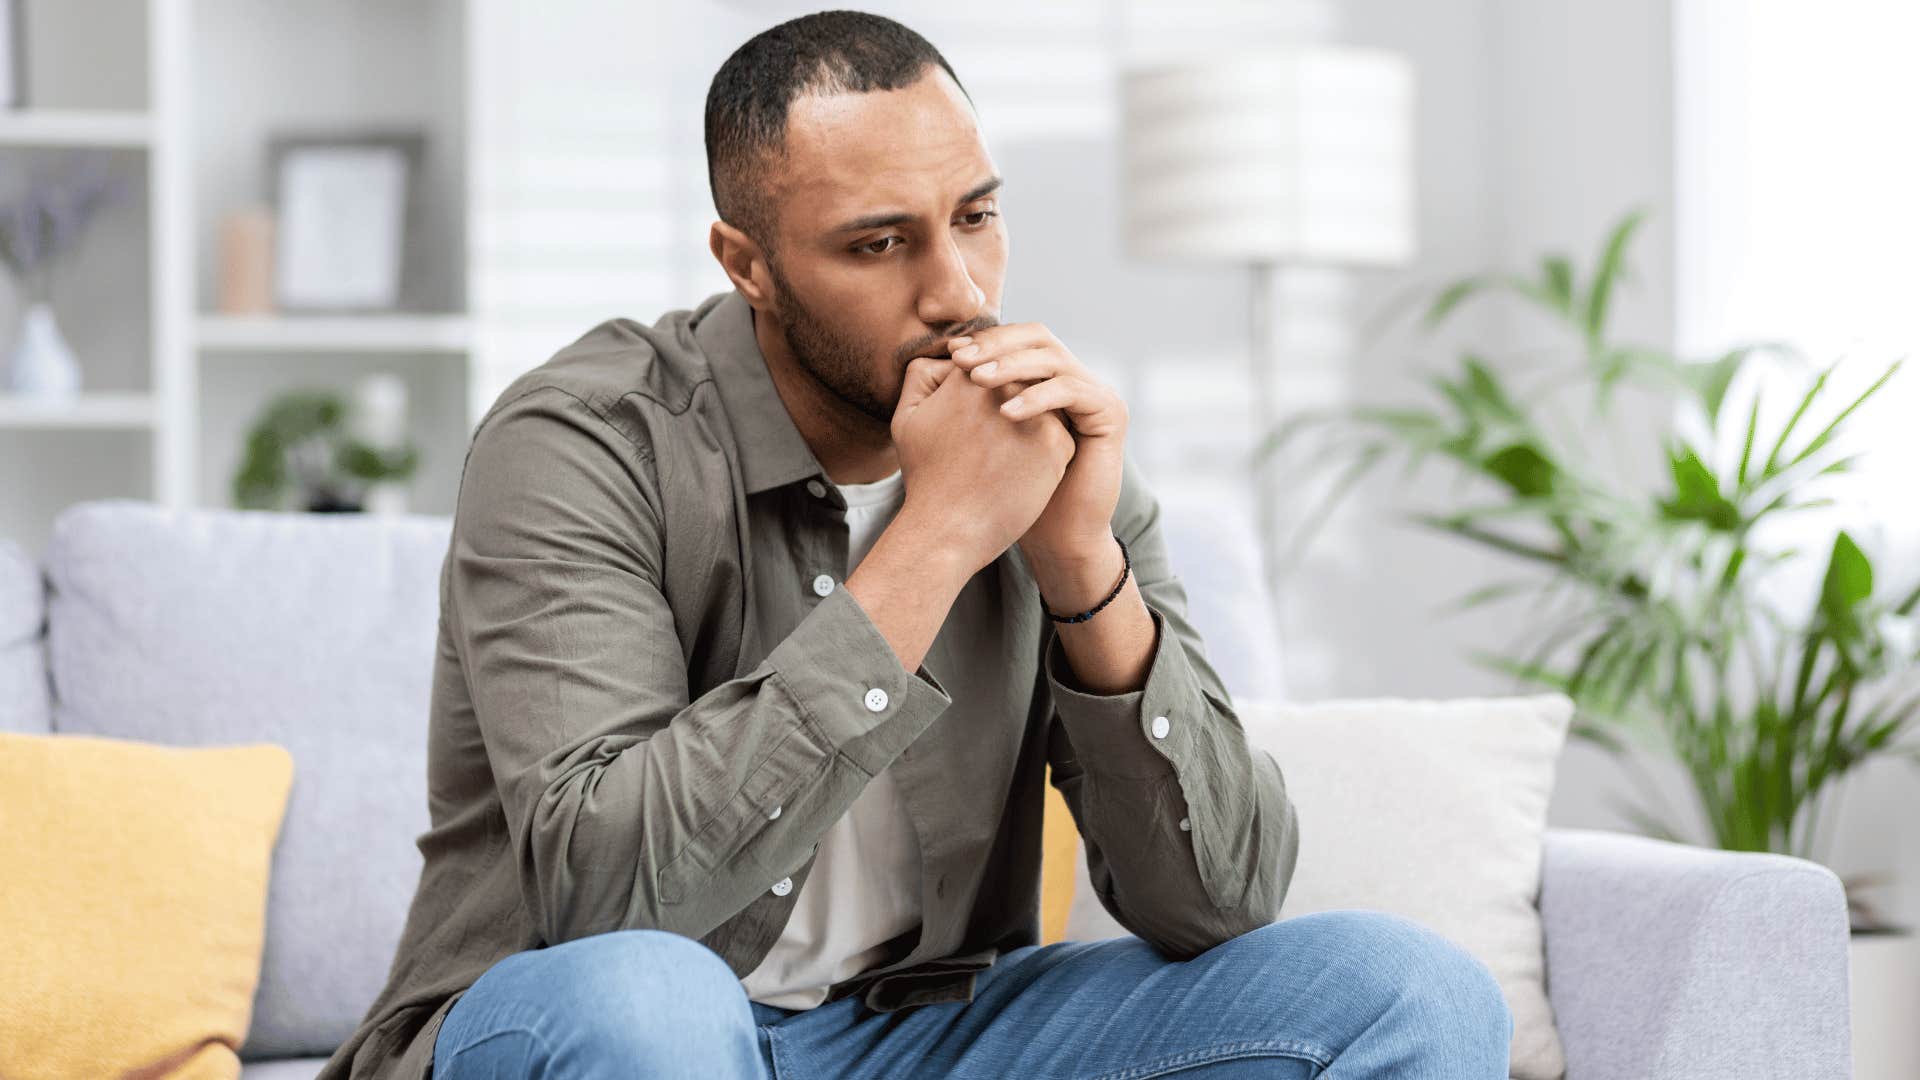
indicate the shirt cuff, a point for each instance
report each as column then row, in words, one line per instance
column 1139, row 733
column 846, row 679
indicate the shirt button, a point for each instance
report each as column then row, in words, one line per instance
column 823, row 585
column 816, row 489
column 1161, row 727
column 774, row 814
column 876, row 699
column 1185, row 825
column 783, row 886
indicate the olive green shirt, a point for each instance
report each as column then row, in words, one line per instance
column 652, row 694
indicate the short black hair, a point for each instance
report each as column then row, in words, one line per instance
column 825, row 52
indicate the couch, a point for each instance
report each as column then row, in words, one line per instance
column 316, row 632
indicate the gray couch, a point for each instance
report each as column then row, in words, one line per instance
column 316, row 632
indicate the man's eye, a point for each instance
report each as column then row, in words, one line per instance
column 983, row 215
column 868, row 248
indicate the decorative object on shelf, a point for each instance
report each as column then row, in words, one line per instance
column 1267, row 159
column 43, row 367
column 246, row 261
column 379, row 420
column 13, row 54
column 303, row 455
column 47, row 219
column 1655, row 608
column 345, row 219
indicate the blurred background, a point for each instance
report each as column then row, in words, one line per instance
column 283, row 256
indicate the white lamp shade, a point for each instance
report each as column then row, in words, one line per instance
column 1292, row 155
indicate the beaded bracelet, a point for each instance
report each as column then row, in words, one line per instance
column 1126, row 566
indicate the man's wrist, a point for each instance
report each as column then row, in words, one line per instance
column 932, row 548
column 1074, row 581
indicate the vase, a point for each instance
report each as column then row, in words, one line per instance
column 44, row 366
column 387, row 498
column 1884, row 988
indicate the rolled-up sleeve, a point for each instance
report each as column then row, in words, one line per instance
column 1190, row 835
column 629, row 804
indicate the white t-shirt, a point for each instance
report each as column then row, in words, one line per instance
column 864, row 888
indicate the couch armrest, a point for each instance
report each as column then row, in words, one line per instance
column 1681, row 963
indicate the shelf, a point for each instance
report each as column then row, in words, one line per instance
column 125, row 409
column 335, row 333
column 74, row 127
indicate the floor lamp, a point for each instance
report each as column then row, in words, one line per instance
column 1268, row 159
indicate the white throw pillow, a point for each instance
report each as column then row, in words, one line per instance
column 1429, row 809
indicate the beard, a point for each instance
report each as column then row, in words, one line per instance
column 838, row 362
column 835, row 361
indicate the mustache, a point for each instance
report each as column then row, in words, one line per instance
column 909, row 352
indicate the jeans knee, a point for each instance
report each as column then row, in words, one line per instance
column 628, row 996
column 631, row 955
column 1408, row 965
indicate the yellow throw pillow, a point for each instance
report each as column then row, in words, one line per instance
column 1059, row 856
column 133, row 897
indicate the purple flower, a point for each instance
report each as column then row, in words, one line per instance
column 54, row 208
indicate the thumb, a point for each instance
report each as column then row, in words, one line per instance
column 924, row 374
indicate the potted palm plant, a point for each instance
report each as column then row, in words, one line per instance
column 1656, row 605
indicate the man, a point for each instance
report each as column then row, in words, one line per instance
column 759, row 628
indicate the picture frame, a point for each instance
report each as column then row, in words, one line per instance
column 345, row 219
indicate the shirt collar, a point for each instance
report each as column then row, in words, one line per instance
column 772, row 452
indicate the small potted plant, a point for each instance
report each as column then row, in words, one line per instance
column 302, row 454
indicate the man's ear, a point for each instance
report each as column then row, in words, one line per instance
column 745, row 264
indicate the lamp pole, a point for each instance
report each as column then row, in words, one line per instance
column 1262, row 356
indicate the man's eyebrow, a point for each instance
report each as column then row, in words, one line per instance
column 882, row 221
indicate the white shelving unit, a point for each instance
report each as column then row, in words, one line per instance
column 75, row 127
column 99, row 410
column 313, row 333
column 564, row 184
column 191, row 92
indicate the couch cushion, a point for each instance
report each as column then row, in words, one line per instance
column 1215, row 550
column 23, row 668
column 1434, row 810
column 315, row 632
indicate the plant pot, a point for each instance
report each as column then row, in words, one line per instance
column 387, row 499
column 1884, row 989
column 44, row 367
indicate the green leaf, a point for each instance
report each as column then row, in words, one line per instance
column 1697, row 495
column 1485, row 389
column 1523, row 468
column 1556, row 283
column 1827, row 433
column 1612, row 261
column 1848, row 583
column 1453, row 296
column 1806, row 402
column 1711, row 380
column 1746, row 446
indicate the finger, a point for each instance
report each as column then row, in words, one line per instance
column 1093, row 408
column 1030, row 365
column 982, row 345
column 922, row 377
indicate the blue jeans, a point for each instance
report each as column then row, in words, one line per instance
column 1338, row 994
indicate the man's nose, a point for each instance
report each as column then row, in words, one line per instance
column 950, row 297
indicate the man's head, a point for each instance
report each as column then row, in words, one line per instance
column 856, row 199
